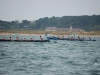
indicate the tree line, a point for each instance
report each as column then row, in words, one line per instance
column 85, row 22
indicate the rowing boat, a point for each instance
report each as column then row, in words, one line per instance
column 2, row 40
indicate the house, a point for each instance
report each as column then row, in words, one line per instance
column 51, row 29
column 63, row 29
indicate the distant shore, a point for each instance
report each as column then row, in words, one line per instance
column 39, row 32
column 20, row 34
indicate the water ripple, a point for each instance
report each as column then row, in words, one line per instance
column 50, row 58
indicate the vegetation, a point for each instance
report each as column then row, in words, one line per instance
column 40, row 32
column 85, row 22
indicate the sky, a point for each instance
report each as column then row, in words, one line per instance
column 11, row 10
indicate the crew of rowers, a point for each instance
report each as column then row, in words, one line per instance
column 41, row 38
column 73, row 38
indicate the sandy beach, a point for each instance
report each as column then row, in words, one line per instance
column 26, row 34
column 20, row 34
column 42, row 32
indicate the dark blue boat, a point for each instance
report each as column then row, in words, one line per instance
column 68, row 39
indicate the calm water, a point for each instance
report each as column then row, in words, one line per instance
column 50, row 58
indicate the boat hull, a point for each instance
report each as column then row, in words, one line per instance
column 68, row 39
column 24, row 40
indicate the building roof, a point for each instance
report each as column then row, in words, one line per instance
column 63, row 29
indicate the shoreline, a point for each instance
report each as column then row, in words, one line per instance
column 42, row 32
column 26, row 34
column 20, row 34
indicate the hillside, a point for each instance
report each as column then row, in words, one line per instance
column 85, row 22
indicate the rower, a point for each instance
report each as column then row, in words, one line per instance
column 83, row 38
column 3, row 38
column 24, row 38
column 41, row 37
column 63, row 37
column 89, row 38
column 58, row 37
column 78, row 37
column 10, row 38
column 17, row 38
column 31, row 39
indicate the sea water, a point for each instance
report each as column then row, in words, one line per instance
column 57, row 57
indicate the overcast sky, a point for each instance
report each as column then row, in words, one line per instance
column 11, row 10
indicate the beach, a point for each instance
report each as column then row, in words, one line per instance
column 55, row 33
